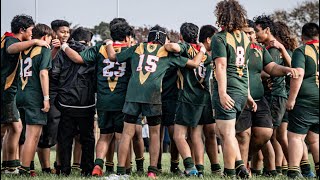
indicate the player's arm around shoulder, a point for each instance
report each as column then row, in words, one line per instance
column 21, row 46
column 72, row 54
column 173, row 47
column 195, row 62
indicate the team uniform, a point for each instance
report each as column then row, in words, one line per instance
column 236, row 50
column 287, row 79
column 149, row 63
column 259, row 58
column 169, row 96
column 305, row 114
column 277, row 97
column 9, row 80
column 112, row 82
column 194, row 102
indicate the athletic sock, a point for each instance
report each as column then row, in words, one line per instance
column 285, row 169
column 174, row 165
column 121, row 170
column 32, row 166
column 99, row 162
column 279, row 169
column 46, row 170
column 188, row 162
column 4, row 165
column 229, row 172
column 200, row 168
column 316, row 166
column 239, row 164
column 293, row 172
column 215, row 168
column 24, row 170
column 152, row 169
column 305, row 167
column 256, row 172
column 109, row 166
column 159, row 166
column 76, row 166
column 139, row 163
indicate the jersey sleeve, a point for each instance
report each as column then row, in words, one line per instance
column 177, row 60
column 90, row 55
column 125, row 55
column 275, row 54
column 298, row 59
column 218, row 47
column 9, row 42
column 46, row 61
column 183, row 48
column 266, row 57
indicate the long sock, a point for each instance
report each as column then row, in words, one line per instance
column 24, row 170
column 109, row 166
column 76, row 166
column 200, row 167
column 121, row 170
column 4, row 164
column 229, row 172
column 11, row 164
column 285, row 169
column 139, row 163
column 293, row 172
column 153, row 169
column 159, row 166
column 188, row 163
column 305, row 167
column 316, row 166
column 32, row 166
column 46, row 170
column 239, row 164
column 256, row 172
column 174, row 165
column 215, row 168
column 99, row 162
column 279, row 169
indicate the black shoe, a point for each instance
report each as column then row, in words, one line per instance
column 242, row 172
column 176, row 171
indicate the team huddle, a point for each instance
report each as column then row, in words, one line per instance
column 250, row 85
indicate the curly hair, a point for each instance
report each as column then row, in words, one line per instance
column 21, row 22
column 230, row 15
column 285, row 36
column 265, row 21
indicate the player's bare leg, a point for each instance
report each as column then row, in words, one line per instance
column 295, row 142
column 174, row 168
column 269, row 159
column 138, row 148
column 211, row 146
column 197, row 140
column 12, row 144
column 109, row 156
column 76, row 153
column 313, row 140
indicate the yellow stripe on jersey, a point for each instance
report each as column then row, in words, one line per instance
column 140, row 49
column 103, row 51
column 112, row 83
column 143, row 77
column 162, row 52
column 309, row 51
column 10, row 78
column 231, row 41
column 36, row 51
column 2, row 43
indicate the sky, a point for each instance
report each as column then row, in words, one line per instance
column 168, row 13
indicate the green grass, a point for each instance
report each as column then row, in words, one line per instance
column 164, row 176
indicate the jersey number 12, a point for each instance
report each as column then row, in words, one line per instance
column 26, row 72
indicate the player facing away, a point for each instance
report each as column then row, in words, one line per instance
column 149, row 63
column 230, row 53
column 303, row 101
column 33, row 93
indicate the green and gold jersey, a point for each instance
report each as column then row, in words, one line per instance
column 170, row 85
column 259, row 58
column 194, row 83
column 278, row 87
column 112, row 77
column 235, row 48
column 9, row 65
column 32, row 61
column 307, row 58
column 287, row 79
column 149, row 63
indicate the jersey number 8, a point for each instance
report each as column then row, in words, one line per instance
column 240, row 56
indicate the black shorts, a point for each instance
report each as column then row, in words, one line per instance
column 148, row 110
column 260, row 118
column 110, row 121
column 9, row 111
column 303, row 119
column 190, row 115
column 168, row 113
column 278, row 108
column 49, row 133
column 234, row 113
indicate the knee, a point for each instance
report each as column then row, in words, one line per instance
column 243, row 137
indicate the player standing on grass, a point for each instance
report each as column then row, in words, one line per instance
column 149, row 63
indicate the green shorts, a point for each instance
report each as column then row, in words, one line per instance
column 110, row 121
column 303, row 119
column 9, row 111
column 190, row 115
column 285, row 117
column 278, row 109
column 234, row 113
column 168, row 113
column 148, row 110
column 33, row 116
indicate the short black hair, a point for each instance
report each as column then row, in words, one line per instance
column 117, row 20
column 41, row 30
column 21, row 21
column 250, row 23
column 265, row 21
column 207, row 31
column 81, row 34
column 120, row 31
column 59, row 23
column 310, row 30
column 157, row 34
column 189, row 32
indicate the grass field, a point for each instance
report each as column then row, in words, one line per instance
column 164, row 176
